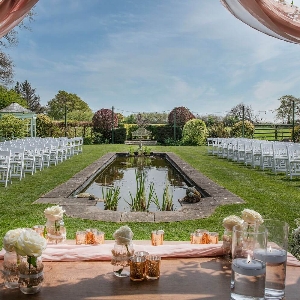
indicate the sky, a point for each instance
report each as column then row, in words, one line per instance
column 154, row 55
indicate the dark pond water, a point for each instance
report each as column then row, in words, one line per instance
column 122, row 173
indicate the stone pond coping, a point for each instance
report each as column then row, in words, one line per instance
column 87, row 209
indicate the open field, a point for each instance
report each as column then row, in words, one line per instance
column 274, row 196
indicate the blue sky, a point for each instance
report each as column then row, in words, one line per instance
column 154, row 55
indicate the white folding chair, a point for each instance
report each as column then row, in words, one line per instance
column 280, row 158
column 17, row 163
column 5, row 167
column 294, row 160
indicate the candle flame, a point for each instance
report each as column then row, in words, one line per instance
column 270, row 249
column 248, row 259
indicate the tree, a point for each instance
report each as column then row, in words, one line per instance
column 179, row 116
column 103, row 120
column 285, row 111
column 9, row 96
column 9, row 40
column 28, row 93
column 65, row 103
column 240, row 110
column 79, row 115
column 237, row 129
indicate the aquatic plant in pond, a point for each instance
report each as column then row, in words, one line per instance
column 146, row 183
column 111, row 198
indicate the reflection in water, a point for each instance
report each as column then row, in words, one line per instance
column 122, row 173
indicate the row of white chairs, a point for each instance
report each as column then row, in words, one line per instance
column 276, row 156
column 22, row 156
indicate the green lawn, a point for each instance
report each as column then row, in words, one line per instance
column 272, row 196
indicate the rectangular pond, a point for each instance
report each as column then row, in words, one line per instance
column 122, row 174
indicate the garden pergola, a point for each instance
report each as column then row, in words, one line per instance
column 22, row 113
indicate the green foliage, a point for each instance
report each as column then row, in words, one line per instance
column 167, row 201
column 79, row 115
column 218, row 130
column 179, row 116
column 88, row 141
column 120, row 135
column 194, row 133
column 111, row 197
column 296, row 136
column 165, row 133
column 285, row 111
column 13, row 127
column 8, row 97
column 237, row 129
column 44, row 126
column 65, row 102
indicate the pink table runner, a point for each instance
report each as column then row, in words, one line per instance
column 69, row 251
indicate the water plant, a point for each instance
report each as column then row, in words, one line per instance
column 140, row 202
column 111, row 197
column 167, row 200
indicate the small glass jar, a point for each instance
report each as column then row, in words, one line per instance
column 227, row 243
column 11, row 261
column 31, row 274
column 121, row 259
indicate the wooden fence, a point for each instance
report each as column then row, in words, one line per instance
column 273, row 132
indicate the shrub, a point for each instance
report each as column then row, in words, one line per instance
column 44, row 125
column 102, row 122
column 181, row 115
column 194, row 133
column 165, row 133
column 218, row 130
column 120, row 135
column 237, row 129
column 13, row 127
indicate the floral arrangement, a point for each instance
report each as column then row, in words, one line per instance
column 252, row 217
column 231, row 221
column 10, row 239
column 56, row 231
column 30, row 245
column 122, row 250
column 295, row 242
column 123, row 236
column 54, row 213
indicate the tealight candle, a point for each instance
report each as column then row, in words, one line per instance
column 272, row 255
column 248, row 266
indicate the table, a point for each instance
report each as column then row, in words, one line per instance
column 186, row 278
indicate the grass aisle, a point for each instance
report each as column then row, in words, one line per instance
column 272, row 196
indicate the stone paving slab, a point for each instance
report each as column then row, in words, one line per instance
column 215, row 195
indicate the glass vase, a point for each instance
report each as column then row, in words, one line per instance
column 10, row 271
column 31, row 274
column 227, row 243
column 121, row 259
column 56, row 231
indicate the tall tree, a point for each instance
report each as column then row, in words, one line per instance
column 9, row 96
column 285, row 111
column 240, row 110
column 65, row 103
column 179, row 116
column 28, row 93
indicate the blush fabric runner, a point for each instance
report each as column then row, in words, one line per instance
column 69, row 251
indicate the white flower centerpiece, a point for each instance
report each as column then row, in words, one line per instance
column 122, row 251
column 10, row 272
column 30, row 246
column 228, row 224
column 55, row 228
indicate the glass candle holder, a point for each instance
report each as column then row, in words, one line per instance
column 40, row 229
column 213, row 237
column 80, row 237
column 99, row 237
column 276, row 258
column 137, row 268
column 200, row 236
column 157, row 237
column 152, row 267
column 248, row 272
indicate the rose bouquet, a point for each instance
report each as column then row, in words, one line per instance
column 30, row 246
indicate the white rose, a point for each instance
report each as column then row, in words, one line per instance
column 123, row 235
column 251, row 216
column 231, row 221
column 54, row 213
column 30, row 243
column 10, row 239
